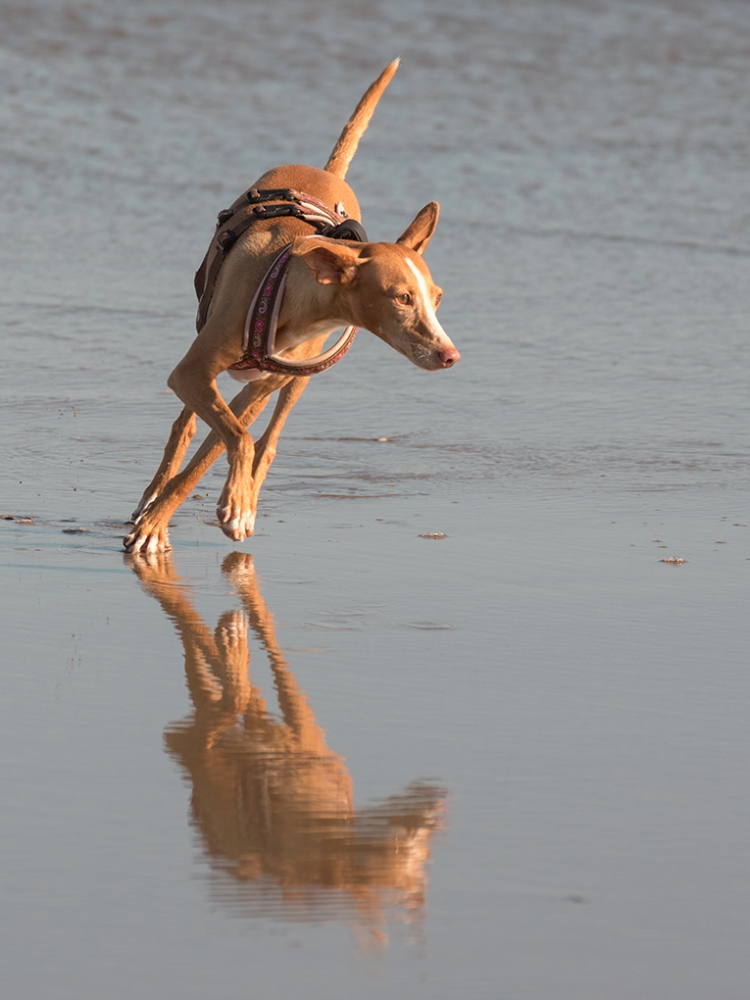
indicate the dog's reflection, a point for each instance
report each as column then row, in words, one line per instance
column 272, row 802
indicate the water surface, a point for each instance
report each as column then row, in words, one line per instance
column 345, row 759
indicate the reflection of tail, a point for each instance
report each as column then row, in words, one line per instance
column 355, row 128
column 272, row 802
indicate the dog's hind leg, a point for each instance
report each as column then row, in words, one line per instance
column 150, row 533
column 180, row 437
column 265, row 446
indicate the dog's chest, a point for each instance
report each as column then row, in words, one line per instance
column 248, row 375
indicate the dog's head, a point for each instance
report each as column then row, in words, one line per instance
column 387, row 289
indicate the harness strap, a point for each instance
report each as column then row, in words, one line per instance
column 252, row 207
column 260, row 330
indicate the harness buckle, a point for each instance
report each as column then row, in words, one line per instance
column 255, row 195
column 348, row 230
column 224, row 216
column 274, row 211
column 226, row 240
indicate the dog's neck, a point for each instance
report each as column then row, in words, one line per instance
column 309, row 310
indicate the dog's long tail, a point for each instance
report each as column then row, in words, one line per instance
column 346, row 147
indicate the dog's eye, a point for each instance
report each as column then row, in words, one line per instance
column 404, row 300
column 438, row 299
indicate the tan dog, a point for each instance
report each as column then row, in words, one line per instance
column 384, row 287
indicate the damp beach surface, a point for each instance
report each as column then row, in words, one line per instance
column 468, row 715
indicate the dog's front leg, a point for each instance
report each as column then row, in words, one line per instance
column 180, row 437
column 265, row 446
column 195, row 383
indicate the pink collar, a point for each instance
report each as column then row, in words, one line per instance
column 259, row 341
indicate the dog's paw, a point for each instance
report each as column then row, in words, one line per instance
column 147, row 541
column 236, row 523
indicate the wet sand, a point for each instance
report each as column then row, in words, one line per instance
column 507, row 762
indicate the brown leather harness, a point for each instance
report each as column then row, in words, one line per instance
column 260, row 327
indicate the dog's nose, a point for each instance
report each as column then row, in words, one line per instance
column 449, row 357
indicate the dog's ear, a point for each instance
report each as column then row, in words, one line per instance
column 331, row 262
column 419, row 233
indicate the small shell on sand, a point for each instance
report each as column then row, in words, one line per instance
column 673, row 561
column 434, row 534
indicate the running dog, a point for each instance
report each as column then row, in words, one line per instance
column 270, row 293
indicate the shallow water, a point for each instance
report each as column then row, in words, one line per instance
column 510, row 762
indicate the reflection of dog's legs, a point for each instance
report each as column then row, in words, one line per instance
column 265, row 446
column 234, row 659
column 216, row 665
column 180, row 437
column 202, row 660
column 240, row 570
column 295, row 708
